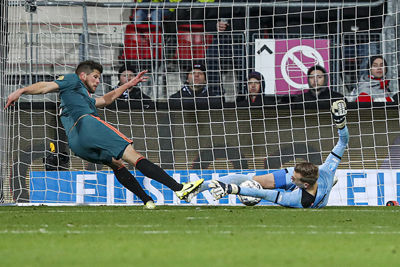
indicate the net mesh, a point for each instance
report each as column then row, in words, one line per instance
column 224, row 132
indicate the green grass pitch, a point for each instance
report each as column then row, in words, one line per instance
column 199, row 236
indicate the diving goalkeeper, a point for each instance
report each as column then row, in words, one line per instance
column 304, row 186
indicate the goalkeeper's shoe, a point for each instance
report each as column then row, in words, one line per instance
column 220, row 189
column 150, row 205
column 188, row 188
column 339, row 112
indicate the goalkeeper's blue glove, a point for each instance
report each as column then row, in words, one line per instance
column 339, row 111
column 220, row 189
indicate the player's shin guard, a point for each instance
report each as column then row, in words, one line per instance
column 154, row 172
column 129, row 181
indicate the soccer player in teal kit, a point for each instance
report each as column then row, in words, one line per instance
column 93, row 139
column 303, row 186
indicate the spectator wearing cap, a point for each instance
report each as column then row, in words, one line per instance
column 318, row 91
column 195, row 84
column 254, row 91
column 125, row 74
column 374, row 87
column 195, row 92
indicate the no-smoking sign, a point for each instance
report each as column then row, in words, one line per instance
column 284, row 63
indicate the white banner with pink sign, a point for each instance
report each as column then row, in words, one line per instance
column 284, row 63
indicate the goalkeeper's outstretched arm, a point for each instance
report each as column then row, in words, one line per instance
column 331, row 163
column 280, row 197
column 339, row 112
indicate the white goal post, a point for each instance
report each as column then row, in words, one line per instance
column 224, row 133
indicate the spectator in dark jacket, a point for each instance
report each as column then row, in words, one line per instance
column 254, row 92
column 319, row 90
column 195, row 84
column 195, row 88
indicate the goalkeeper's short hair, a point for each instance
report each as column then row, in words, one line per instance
column 308, row 171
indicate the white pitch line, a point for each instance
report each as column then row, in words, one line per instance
column 197, row 218
column 191, row 232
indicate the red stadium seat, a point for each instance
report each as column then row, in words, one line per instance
column 192, row 42
column 141, row 42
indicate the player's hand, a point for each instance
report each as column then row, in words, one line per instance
column 220, row 189
column 12, row 98
column 139, row 78
column 222, row 25
column 339, row 111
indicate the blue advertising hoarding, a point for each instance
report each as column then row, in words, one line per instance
column 355, row 187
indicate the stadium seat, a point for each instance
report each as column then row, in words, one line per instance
column 142, row 42
column 192, row 42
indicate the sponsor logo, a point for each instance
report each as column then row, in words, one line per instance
column 354, row 187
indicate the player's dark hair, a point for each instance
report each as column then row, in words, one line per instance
column 308, row 171
column 88, row 67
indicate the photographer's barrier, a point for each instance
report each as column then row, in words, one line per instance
column 355, row 187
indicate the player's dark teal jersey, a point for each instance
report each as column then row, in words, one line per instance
column 89, row 137
column 75, row 100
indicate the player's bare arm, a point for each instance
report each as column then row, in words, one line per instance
column 110, row 97
column 34, row 89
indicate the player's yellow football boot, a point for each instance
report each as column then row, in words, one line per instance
column 188, row 188
column 188, row 198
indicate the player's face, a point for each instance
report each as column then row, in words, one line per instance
column 378, row 68
column 254, row 86
column 196, row 77
column 91, row 80
column 296, row 180
column 316, row 79
column 126, row 76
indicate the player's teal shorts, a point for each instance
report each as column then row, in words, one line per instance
column 95, row 140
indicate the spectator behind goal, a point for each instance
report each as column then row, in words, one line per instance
column 319, row 91
column 195, row 88
column 373, row 87
column 125, row 74
column 141, row 15
column 254, row 92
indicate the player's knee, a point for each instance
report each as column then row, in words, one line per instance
column 131, row 155
column 116, row 164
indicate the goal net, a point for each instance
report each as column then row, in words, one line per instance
column 198, row 116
